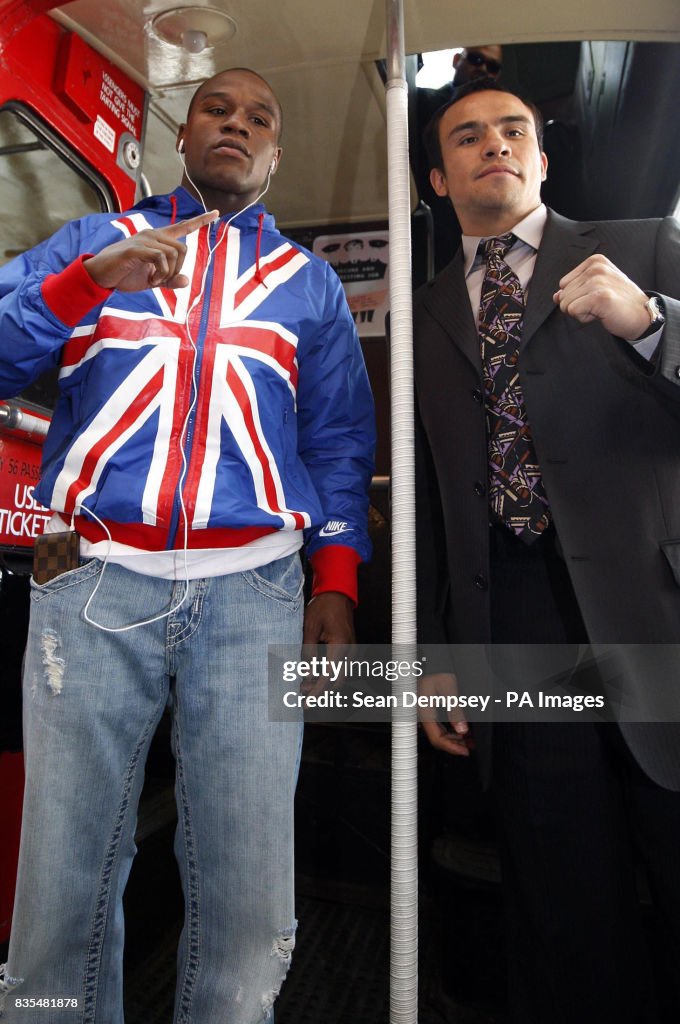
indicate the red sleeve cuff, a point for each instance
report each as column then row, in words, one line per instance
column 72, row 293
column 335, row 568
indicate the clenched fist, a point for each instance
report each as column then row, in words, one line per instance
column 597, row 290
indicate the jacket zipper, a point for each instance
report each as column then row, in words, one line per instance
column 175, row 521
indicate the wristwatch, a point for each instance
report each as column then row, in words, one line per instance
column 657, row 317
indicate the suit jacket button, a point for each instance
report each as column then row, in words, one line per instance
column 479, row 488
column 481, row 582
column 478, row 396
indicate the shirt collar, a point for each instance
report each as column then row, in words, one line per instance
column 529, row 230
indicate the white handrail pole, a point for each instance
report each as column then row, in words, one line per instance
column 404, row 870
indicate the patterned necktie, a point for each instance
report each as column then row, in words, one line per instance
column 516, row 493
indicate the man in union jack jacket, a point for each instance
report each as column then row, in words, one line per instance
column 214, row 416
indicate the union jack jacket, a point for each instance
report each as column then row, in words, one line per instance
column 259, row 384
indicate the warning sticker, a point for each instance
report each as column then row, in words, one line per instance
column 105, row 133
column 120, row 104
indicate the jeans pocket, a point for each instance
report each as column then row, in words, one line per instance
column 281, row 580
column 67, row 579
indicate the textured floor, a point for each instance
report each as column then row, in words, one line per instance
column 340, row 974
column 340, row 969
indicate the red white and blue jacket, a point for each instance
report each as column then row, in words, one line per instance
column 281, row 434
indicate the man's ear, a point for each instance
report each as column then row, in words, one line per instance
column 544, row 166
column 179, row 141
column 438, row 181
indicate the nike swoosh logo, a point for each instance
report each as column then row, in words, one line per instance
column 333, row 531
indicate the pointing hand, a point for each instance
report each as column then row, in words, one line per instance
column 149, row 259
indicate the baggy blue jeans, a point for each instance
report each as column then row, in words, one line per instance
column 92, row 702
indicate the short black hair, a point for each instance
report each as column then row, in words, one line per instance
column 431, row 139
column 225, row 71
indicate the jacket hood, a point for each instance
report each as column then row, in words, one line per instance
column 180, row 205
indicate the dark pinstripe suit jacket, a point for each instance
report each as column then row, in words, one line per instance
column 606, row 427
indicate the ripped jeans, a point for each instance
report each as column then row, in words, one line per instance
column 92, row 701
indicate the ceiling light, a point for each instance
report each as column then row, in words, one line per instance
column 193, row 28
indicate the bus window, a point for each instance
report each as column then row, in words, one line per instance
column 42, row 186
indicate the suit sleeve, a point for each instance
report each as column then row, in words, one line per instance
column 336, row 442
column 432, row 587
column 668, row 287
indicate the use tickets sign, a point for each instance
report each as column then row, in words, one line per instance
column 22, row 518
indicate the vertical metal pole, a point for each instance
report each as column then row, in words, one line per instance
column 404, row 872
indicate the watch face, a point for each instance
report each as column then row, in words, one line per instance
column 655, row 311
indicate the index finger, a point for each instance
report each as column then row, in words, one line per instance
column 572, row 275
column 185, row 227
column 597, row 261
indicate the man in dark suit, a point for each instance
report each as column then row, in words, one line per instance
column 547, row 364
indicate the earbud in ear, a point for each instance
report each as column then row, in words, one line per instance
column 180, row 146
column 272, row 167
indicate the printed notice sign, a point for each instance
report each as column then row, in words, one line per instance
column 105, row 133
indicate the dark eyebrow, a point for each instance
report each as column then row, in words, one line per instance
column 466, row 126
column 224, row 97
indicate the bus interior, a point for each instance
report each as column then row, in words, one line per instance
column 91, row 97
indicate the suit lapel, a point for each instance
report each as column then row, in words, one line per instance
column 448, row 301
column 565, row 244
